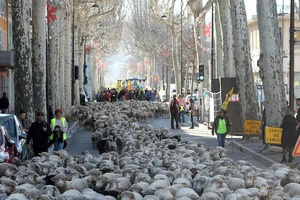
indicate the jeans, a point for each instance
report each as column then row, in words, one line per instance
column 174, row 116
column 58, row 146
column 221, row 139
column 181, row 116
column 192, row 120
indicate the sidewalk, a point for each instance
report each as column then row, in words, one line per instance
column 252, row 146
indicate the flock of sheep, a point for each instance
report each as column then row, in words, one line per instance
column 139, row 162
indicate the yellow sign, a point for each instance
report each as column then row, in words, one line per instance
column 252, row 127
column 273, row 135
column 225, row 103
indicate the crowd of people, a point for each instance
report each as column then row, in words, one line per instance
column 112, row 95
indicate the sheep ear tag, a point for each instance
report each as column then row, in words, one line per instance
column 296, row 151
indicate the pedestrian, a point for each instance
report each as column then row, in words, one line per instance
column 263, row 126
column 289, row 135
column 39, row 133
column 174, row 110
column 192, row 111
column 59, row 127
column 298, row 115
column 24, row 121
column 181, row 105
column 221, row 127
column 4, row 103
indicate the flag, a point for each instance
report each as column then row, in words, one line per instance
column 225, row 103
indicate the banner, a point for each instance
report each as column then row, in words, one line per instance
column 225, row 103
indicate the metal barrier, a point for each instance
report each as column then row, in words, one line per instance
column 212, row 104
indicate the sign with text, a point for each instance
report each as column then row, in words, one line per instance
column 252, row 127
column 273, row 135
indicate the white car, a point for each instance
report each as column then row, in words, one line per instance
column 187, row 102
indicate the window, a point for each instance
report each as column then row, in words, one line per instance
column 1, row 38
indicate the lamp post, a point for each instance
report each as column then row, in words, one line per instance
column 292, row 49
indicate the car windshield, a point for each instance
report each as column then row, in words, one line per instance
column 9, row 123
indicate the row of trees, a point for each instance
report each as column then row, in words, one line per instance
column 156, row 27
column 47, row 51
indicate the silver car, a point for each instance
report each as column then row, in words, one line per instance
column 16, row 132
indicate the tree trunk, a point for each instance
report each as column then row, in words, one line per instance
column 53, row 59
column 22, row 58
column 175, row 58
column 219, row 44
column 242, row 60
column 67, row 73
column 61, row 69
column 270, row 62
column 226, row 22
column 39, row 55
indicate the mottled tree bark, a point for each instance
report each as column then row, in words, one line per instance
column 53, row 60
column 270, row 61
column 23, row 69
column 242, row 61
column 61, row 69
column 67, row 68
column 175, row 58
column 219, row 43
column 227, row 33
column 39, row 55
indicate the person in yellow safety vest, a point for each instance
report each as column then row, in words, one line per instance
column 59, row 125
column 181, row 104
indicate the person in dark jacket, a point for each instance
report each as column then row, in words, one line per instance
column 4, row 103
column 221, row 127
column 39, row 133
column 289, row 135
column 174, row 110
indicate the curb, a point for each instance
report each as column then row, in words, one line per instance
column 240, row 147
column 256, row 155
column 69, row 133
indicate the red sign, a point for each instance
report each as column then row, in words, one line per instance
column 296, row 151
column 234, row 98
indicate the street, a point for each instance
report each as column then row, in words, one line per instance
column 80, row 140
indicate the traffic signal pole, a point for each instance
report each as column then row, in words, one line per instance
column 292, row 51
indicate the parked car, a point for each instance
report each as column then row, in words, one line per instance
column 8, row 149
column 15, row 131
column 187, row 102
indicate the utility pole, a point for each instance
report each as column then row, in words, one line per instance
column 292, row 51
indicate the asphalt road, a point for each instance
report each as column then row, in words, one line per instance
column 80, row 140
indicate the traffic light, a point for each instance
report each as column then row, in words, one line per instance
column 201, row 73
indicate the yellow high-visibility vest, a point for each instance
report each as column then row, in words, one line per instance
column 53, row 124
column 181, row 108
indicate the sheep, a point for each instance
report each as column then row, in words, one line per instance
column 16, row 196
column 50, row 190
column 8, row 186
column 235, row 183
column 292, row 189
column 63, row 185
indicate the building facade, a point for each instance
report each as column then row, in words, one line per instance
column 6, row 53
column 284, row 27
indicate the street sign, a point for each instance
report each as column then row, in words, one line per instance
column 252, row 127
column 296, row 151
column 273, row 135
